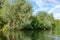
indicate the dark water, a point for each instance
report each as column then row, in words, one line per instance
column 28, row 35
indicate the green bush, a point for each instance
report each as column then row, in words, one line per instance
column 43, row 20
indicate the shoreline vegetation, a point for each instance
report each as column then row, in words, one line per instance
column 19, row 15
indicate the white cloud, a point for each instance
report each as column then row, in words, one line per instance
column 42, row 3
column 53, row 1
column 55, row 10
column 40, row 9
column 57, row 15
column 51, row 10
column 39, row 2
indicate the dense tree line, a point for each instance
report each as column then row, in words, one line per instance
column 18, row 15
column 43, row 20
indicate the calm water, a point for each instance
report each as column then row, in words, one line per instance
column 29, row 35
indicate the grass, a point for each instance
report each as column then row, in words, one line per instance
column 57, row 30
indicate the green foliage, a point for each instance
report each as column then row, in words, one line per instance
column 43, row 20
column 1, row 3
column 17, row 15
column 57, row 28
column 2, row 22
column 35, row 22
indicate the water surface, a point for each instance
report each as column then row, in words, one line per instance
column 28, row 35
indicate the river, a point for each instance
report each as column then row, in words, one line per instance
column 29, row 35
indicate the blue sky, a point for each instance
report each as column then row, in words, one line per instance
column 51, row 6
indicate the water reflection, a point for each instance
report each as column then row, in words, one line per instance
column 2, row 37
column 26, row 35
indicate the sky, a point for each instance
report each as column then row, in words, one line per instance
column 50, row 6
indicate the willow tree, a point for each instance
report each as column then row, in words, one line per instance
column 17, row 13
column 1, row 19
column 1, row 3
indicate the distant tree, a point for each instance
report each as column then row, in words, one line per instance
column 43, row 20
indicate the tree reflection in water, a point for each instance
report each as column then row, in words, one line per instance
column 28, row 35
column 2, row 37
